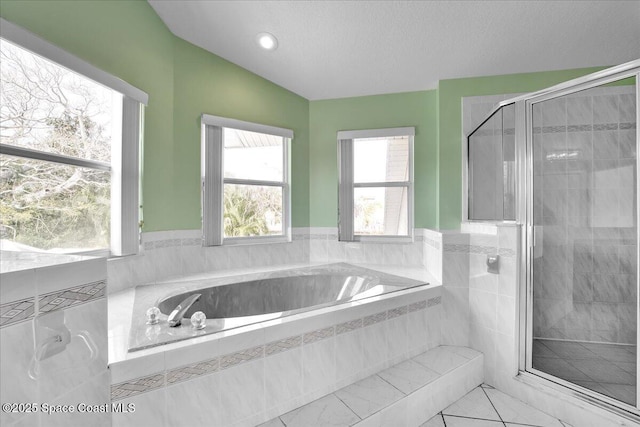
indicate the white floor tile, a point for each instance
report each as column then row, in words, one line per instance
column 474, row 404
column 272, row 423
column 470, row 422
column 434, row 422
column 514, row 411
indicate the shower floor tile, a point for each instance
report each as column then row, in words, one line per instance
column 608, row 369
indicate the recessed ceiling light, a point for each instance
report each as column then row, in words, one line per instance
column 267, row 41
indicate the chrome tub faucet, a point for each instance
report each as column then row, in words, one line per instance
column 175, row 318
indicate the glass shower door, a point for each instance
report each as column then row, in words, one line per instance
column 584, row 257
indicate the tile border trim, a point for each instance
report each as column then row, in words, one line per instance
column 14, row 312
column 166, row 378
column 18, row 311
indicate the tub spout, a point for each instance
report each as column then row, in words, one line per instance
column 175, row 318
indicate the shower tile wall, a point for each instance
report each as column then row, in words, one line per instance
column 584, row 189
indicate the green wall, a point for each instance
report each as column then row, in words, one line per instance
column 450, row 94
column 128, row 40
column 205, row 83
column 371, row 112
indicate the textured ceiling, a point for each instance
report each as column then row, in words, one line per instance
column 334, row 49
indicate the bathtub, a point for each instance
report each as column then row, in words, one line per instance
column 269, row 346
column 238, row 301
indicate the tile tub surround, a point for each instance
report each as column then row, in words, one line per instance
column 406, row 394
column 268, row 369
column 177, row 253
column 52, row 285
column 167, row 254
column 246, row 296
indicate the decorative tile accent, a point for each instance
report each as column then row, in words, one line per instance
column 188, row 372
column 473, row 249
column 606, row 126
column 434, row 301
column 283, row 345
column 420, row 305
column 348, row 326
column 17, row 311
column 194, row 241
column 579, row 128
column 319, row 334
column 624, row 126
column 375, row 318
column 71, row 297
column 454, row 247
column 133, row 387
column 149, row 245
column 554, row 129
column 506, row 252
column 397, row 312
column 239, row 357
column 487, row 250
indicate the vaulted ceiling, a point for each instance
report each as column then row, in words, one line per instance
column 334, row 49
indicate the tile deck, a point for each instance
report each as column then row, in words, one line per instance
column 361, row 401
column 372, row 396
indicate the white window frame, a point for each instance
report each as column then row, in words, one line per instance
column 346, row 185
column 125, row 158
column 213, row 180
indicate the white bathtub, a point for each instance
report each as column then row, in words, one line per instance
column 252, row 373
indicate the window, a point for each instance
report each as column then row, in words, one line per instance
column 69, row 151
column 245, row 182
column 376, row 184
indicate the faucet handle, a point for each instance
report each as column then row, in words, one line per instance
column 153, row 316
column 198, row 320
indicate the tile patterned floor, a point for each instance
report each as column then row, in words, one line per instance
column 485, row 406
column 609, row 369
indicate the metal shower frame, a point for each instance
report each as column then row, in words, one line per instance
column 524, row 218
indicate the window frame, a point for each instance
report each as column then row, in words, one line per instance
column 347, row 186
column 213, row 180
column 125, row 166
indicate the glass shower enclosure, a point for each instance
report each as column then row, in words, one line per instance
column 562, row 162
